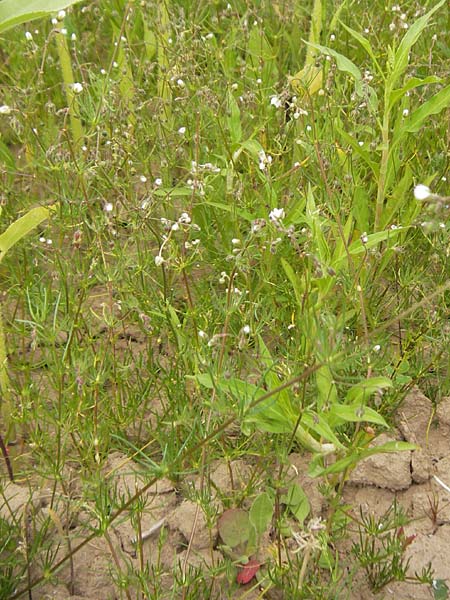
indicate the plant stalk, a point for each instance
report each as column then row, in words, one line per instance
column 76, row 126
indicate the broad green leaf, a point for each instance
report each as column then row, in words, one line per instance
column 22, row 227
column 309, row 79
column 234, row 527
column 356, row 413
column 261, row 512
column 15, row 12
column 411, row 84
column 319, row 425
column 433, row 106
column 297, row 502
column 343, row 64
column 362, row 391
column 401, row 57
column 352, row 459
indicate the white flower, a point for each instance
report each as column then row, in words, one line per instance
column 405, row 112
column 5, row 109
column 184, row 218
column 275, row 101
column 182, row 130
column 277, row 214
column 143, row 178
column 61, row 15
column 422, row 192
column 28, row 36
column 108, row 207
column 158, row 181
column 159, row 260
column 77, row 87
column 73, row 37
column 180, row 83
column 332, row 37
column 246, row 329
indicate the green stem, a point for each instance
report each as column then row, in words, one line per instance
column 384, row 163
column 6, row 407
column 66, row 69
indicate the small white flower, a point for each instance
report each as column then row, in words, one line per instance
column 377, row 348
column 422, row 192
column 259, row 81
column 184, row 218
column 202, row 334
column 308, row 128
column 405, row 112
column 182, row 130
column 364, row 238
column 277, row 214
column 360, row 144
column 236, row 241
column 42, row 240
column 77, row 88
column 246, row 329
column 28, row 36
column 158, row 181
column 73, row 37
column 61, row 15
column 159, row 260
column 175, row 227
column 275, row 101
column 115, row 64
column 5, row 109
column 332, row 37
column 180, row 83
column 63, row 31
column 54, row 21
column 108, row 207
column 143, row 178
column 49, row 242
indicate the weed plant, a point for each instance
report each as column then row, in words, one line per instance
column 235, row 266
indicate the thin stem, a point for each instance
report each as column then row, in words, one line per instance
column 6, row 407
column 384, row 163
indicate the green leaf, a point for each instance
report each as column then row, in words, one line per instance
column 261, row 512
column 357, row 247
column 22, row 227
column 361, row 392
column 234, row 119
column 440, row 589
column 297, row 502
column 401, row 57
column 356, row 413
column 412, row 83
column 343, row 64
column 433, row 106
column 15, row 12
column 364, row 43
column 234, row 527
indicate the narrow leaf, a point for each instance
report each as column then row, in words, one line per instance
column 261, row 512
column 343, row 64
column 433, row 106
column 401, row 57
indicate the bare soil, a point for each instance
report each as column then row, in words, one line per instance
column 176, row 531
